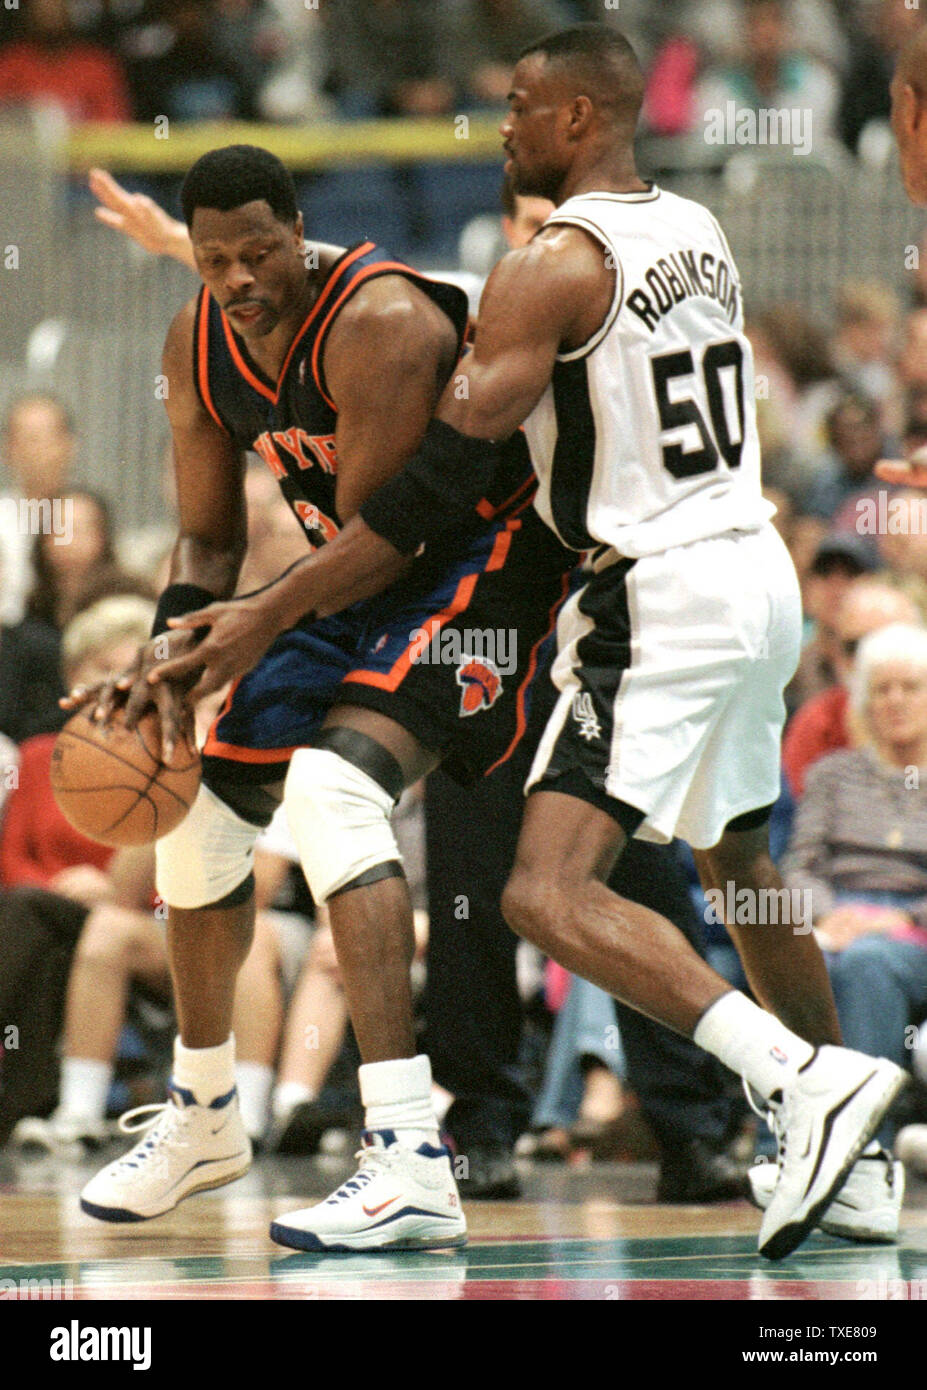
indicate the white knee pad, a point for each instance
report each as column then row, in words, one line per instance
column 209, row 854
column 339, row 818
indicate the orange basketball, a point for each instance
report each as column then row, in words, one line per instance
column 112, row 785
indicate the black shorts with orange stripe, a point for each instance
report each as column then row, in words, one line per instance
column 449, row 653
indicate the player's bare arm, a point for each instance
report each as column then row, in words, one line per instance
column 140, row 218
column 210, row 546
column 387, row 358
column 550, row 296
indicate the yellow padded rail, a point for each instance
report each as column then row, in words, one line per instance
column 142, row 149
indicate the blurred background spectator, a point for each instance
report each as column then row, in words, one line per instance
column 859, row 847
column 480, row 41
column 772, row 72
column 385, row 58
column 51, row 65
column 844, row 471
column 196, row 60
column 79, row 567
column 38, row 447
column 822, row 724
column 866, row 325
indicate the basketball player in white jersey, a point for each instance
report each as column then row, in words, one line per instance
column 616, row 337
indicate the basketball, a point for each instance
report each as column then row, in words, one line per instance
column 111, row 784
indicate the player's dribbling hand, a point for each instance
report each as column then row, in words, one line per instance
column 131, row 692
column 904, row 472
column 240, row 631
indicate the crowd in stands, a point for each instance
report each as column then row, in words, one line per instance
column 280, row 60
column 834, row 397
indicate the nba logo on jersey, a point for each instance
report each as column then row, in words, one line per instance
column 585, row 716
column 481, row 683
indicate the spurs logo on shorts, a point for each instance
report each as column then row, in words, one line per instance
column 585, row 716
column 481, row 684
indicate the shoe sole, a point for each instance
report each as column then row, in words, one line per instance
column 788, row 1237
column 367, row 1242
column 123, row 1214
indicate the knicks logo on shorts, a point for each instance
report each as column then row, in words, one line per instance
column 481, row 683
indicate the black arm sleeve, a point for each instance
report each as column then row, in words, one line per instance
column 437, row 491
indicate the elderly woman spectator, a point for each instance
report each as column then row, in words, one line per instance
column 860, row 846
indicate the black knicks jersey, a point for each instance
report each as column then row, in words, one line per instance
column 291, row 422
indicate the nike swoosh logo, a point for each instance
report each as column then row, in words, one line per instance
column 372, row 1211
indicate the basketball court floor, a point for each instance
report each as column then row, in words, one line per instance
column 593, row 1234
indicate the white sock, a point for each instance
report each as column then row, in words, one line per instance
column 287, row 1095
column 85, row 1085
column 209, row 1072
column 254, row 1081
column 397, row 1096
column 752, row 1043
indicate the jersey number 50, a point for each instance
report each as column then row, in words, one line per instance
column 719, row 441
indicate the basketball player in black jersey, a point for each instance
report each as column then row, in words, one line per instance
column 328, row 363
column 569, row 135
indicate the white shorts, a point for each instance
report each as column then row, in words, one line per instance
column 671, row 670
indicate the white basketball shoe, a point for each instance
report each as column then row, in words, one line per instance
column 187, row 1148
column 68, row 1137
column 399, row 1199
column 867, row 1207
column 823, row 1123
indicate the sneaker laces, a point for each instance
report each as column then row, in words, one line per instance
column 371, row 1163
column 770, row 1111
column 165, row 1121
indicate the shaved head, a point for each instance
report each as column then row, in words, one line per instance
column 595, row 61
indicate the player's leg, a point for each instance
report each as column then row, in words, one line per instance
column 204, row 874
column 782, row 959
column 788, row 975
column 679, row 719
column 556, row 898
column 197, row 1140
column 831, row 1100
column 339, row 797
column 350, row 780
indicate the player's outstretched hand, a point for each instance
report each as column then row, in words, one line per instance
column 904, row 472
column 139, row 217
column 240, row 631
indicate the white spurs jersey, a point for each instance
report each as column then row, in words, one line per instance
column 646, row 436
